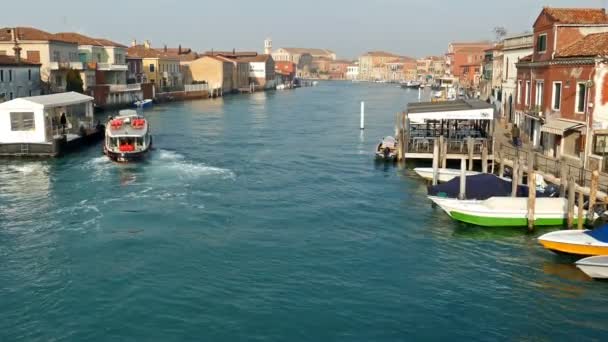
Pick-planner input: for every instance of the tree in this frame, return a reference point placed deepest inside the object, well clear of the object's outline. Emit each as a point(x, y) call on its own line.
point(500, 32)
point(73, 81)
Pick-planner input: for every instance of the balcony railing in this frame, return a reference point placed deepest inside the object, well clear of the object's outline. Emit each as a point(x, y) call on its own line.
point(111, 67)
point(66, 65)
point(125, 87)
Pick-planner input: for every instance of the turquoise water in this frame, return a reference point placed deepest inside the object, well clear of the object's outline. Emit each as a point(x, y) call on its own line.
point(264, 217)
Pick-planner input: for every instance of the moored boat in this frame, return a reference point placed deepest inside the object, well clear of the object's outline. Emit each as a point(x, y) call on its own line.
point(595, 267)
point(143, 103)
point(505, 211)
point(577, 242)
point(128, 137)
point(387, 149)
point(444, 175)
point(410, 85)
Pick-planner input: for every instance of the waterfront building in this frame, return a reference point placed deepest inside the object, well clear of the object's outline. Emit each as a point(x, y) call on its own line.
point(18, 78)
point(217, 71)
point(514, 48)
point(560, 86)
point(294, 54)
point(104, 61)
point(135, 70)
point(261, 71)
point(463, 61)
point(285, 72)
point(320, 66)
point(161, 68)
point(491, 79)
point(338, 69)
point(55, 55)
point(372, 65)
point(352, 71)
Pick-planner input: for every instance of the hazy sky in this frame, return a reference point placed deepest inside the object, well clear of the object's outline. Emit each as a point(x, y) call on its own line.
point(414, 28)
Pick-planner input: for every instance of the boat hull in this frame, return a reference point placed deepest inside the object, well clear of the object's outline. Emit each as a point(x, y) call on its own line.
point(444, 175)
point(595, 267)
point(128, 157)
point(504, 211)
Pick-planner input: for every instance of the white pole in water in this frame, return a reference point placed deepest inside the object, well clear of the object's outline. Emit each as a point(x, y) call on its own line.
point(362, 115)
point(419, 94)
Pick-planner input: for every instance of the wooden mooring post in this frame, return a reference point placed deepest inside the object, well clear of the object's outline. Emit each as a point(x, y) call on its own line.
point(470, 149)
point(435, 161)
point(484, 158)
point(514, 181)
point(444, 153)
point(563, 179)
point(571, 195)
point(531, 198)
point(580, 214)
point(462, 194)
point(595, 179)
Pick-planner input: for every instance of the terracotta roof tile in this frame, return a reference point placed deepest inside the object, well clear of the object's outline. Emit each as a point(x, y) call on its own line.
point(11, 60)
point(591, 45)
point(29, 33)
point(143, 52)
point(577, 15)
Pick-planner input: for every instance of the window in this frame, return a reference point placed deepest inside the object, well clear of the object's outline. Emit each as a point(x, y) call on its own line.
point(58, 80)
point(22, 121)
point(10, 75)
point(528, 91)
point(30, 92)
point(557, 95)
point(581, 92)
point(56, 56)
point(600, 145)
point(541, 43)
point(538, 99)
point(1, 75)
point(29, 74)
point(11, 95)
point(151, 67)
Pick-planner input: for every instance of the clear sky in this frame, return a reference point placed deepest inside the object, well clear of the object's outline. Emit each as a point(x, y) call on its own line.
point(408, 27)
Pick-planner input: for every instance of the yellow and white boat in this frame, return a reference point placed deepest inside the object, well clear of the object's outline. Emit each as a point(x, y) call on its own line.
point(577, 242)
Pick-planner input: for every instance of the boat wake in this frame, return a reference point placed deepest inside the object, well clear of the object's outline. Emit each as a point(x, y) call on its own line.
point(177, 163)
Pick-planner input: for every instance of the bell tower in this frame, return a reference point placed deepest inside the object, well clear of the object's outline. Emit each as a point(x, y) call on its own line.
point(268, 46)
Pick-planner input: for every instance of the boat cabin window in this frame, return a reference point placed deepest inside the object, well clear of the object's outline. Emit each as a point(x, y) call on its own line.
point(22, 121)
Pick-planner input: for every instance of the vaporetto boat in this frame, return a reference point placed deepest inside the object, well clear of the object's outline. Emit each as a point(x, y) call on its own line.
point(506, 211)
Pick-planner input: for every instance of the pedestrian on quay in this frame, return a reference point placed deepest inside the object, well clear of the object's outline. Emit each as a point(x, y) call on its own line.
point(515, 135)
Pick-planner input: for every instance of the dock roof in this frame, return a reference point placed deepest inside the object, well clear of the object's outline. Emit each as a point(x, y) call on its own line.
point(450, 110)
point(44, 101)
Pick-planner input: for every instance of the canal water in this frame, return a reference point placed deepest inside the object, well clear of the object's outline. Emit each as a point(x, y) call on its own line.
point(265, 217)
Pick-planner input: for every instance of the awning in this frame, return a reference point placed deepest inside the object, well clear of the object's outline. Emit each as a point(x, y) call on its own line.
point(475, 114)
point(558, 127)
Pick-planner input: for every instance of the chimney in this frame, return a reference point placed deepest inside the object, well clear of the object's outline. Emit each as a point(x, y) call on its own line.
point(134, 42)
point(165, 48)
point(16, 48)
point(147, 44)
point(179, 49)
point(234, 52)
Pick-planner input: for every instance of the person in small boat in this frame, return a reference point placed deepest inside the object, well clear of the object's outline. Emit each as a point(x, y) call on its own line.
point(387, 152)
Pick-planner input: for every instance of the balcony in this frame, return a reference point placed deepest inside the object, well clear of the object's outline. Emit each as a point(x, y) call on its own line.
point(111, 67)
point(66, 65)
point(114, 88)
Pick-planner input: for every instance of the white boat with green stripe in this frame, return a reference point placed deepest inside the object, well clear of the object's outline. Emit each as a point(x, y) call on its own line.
point(506, 211)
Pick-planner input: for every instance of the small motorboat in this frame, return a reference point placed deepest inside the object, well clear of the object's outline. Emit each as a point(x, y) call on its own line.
point(595, 267)
point(387, 149)
point(444, 175)
point(577, 242)
point(505, 211)
point(143, 103)
point(128, 137)
point(410, 85)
